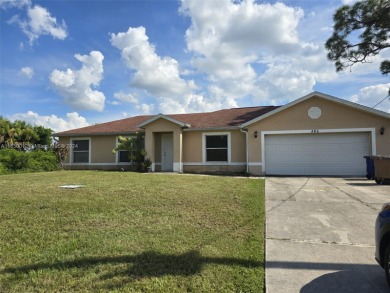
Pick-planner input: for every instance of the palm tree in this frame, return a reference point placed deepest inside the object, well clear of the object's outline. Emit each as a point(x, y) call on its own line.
point(4, 127)
point(28, 136)
point(13, 135)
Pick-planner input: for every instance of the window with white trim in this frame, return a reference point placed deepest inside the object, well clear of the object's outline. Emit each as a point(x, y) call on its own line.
point(124, 155)
point(80, 150)
point(217, 148)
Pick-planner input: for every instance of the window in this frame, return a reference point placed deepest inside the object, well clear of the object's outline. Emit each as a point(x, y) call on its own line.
point(216, 147)
point(123, 156)
point(80, 151)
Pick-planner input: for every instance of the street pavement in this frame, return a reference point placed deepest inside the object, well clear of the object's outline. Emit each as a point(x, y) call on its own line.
point(320, 235)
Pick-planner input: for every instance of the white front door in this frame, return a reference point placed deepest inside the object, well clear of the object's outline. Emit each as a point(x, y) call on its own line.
point(167, 152)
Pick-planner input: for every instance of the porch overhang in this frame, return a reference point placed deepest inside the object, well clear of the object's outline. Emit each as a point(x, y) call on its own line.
point(162, 116)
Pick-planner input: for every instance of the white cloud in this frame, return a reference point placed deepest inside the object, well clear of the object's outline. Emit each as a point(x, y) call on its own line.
point(253, 49)
point(128, 98)
point(125, 98)
point(72, 120)
point(284, 82)
point(27, 72)
point(371, 66)
point(39, 22)
point(371, 95)
point(241, 25)
point(230, 41)
point(14, 3)
point(75, 86)
point(349, 2)
point(159, 76)
point(145, 108)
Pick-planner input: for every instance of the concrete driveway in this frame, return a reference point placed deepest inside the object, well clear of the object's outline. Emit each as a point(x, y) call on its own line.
point(320, 235)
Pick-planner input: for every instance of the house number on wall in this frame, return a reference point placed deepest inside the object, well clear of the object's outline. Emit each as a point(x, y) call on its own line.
point(315, 131)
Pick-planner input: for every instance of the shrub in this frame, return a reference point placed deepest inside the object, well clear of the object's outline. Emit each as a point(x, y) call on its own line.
point(12, 159)
point(18, 161)
point(3, 170)
point(42, 161)
point(60, 151)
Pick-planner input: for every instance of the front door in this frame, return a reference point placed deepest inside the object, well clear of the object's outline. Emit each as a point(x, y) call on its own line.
point(167, 152)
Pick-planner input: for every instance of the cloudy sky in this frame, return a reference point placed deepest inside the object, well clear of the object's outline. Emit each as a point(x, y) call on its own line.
point(67, 64)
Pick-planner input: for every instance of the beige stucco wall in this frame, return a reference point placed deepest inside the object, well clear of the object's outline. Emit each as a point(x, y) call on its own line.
point(193, 146)
point(193, 153)
point(238, 146)
point(101, 149)
point(333, 116)
point(152, 142)
point(188, 147)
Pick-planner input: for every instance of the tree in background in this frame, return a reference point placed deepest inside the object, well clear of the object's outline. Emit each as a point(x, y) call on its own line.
point(27, 148)
point(44, 135)
point(360, 31)
point(25, 136)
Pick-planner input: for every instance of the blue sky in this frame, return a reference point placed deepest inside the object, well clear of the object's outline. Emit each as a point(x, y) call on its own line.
point(66, 64)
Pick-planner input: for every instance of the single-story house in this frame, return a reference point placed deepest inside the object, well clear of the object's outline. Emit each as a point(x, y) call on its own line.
point(316, 134)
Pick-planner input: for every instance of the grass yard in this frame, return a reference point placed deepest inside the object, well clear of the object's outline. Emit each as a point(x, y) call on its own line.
point(131, 232)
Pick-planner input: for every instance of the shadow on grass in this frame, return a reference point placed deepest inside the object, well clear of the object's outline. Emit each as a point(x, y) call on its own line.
point(147, 264)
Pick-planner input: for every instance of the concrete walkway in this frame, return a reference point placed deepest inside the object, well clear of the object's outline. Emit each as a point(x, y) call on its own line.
point(320, 235)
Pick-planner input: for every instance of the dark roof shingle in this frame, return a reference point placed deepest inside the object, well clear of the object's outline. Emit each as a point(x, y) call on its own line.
point(218, 119)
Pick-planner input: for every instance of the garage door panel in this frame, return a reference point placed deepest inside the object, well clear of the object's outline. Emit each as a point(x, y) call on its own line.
point(316, 154)
point(327, 170)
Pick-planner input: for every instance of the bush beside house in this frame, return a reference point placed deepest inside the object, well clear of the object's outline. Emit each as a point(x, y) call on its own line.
point(12, 160)
point(27, 148)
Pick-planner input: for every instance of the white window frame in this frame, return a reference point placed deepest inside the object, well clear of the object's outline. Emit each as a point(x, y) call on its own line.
point(204, 150)
point(118, 158)
point(74, 141)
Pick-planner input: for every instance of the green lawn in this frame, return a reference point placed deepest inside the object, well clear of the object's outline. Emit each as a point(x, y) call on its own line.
point(131, 232)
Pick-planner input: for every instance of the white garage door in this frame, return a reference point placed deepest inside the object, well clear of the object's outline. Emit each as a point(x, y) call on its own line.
point(316, 154)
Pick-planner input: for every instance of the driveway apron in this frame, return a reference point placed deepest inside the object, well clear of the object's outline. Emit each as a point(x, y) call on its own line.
point(320, 235)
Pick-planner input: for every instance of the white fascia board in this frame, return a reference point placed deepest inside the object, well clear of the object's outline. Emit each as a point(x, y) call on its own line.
point(212, 129)
point(158, 116)
point(77, 135)
point(320, 95)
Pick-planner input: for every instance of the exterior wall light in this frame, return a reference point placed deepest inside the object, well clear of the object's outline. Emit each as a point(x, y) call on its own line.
point(382, 130)
point(255, 133)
